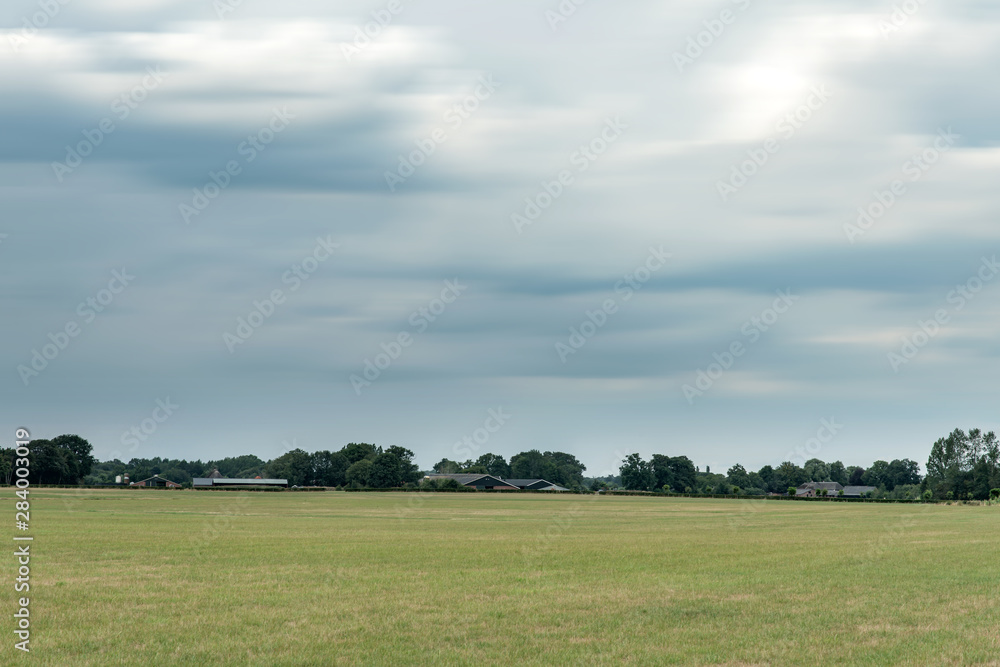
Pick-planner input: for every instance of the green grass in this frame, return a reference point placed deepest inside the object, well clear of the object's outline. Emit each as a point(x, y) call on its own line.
point(235, 578)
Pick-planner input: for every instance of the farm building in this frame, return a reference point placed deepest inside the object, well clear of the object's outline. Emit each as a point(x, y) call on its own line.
point(156, 482)
point(485, 482)
point(535, 485)
point(217, 482)
point(816, 489)
point(811, 489)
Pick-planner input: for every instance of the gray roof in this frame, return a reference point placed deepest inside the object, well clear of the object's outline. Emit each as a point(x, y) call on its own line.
point(829, 486)
point(467, 479)
point(858, 490)
point(538, 484)
point(228, 481)
point(157, 477)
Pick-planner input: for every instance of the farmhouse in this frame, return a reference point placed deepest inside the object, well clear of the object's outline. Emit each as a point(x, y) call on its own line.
point(484, 482)
point(535, 485)
point(812, 489)
point(156, 482)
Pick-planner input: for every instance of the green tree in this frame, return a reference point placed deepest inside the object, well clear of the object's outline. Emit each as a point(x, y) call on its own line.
point(385, 471)
point(6, 464)
point(662, 471)
point(359, 473)
point(816, 471)
point(683, 473)
point(767, 477)
point(446, 467)
point(568, 470)
point(737, 476)
point(637, 475)
point(533, 464)
point(838, 473)
point(495, 465)
point(788, 474)
point(49, 464)
point(902, 472)
point(878, 475)
point(329, 468)
point(295, 466)
point(356, 451)
point(247, 465)
point(79, 457)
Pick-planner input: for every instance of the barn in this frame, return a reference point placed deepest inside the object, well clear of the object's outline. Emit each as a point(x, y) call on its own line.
point(477, 481)
point(156, 482)
point(221, 482)
point(535, 485)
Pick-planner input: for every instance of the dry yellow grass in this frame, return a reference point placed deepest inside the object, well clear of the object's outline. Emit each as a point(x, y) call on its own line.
point(361, 579)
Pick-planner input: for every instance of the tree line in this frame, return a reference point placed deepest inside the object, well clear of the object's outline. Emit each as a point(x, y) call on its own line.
point(679, 475)
point(557, 467)
point(960, 466)
point(66, 459)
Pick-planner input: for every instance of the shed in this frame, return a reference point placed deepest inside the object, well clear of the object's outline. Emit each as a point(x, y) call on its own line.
point(219, 482)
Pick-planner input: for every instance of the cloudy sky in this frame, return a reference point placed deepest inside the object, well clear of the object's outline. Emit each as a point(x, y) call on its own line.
point(307, 223)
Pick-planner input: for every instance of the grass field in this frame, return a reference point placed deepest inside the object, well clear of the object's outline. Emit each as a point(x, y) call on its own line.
point(232, 578)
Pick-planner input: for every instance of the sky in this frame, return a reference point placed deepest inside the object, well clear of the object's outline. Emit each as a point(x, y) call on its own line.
point(740, 231)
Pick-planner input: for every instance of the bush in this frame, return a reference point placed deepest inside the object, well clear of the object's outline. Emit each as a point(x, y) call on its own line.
point(928, 495)
point(994, 494)
point(791, 490)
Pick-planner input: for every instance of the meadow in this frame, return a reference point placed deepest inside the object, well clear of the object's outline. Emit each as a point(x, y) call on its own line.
point(237, 578)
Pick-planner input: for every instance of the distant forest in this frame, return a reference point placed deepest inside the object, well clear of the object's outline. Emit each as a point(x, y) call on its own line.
point(960, 466)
